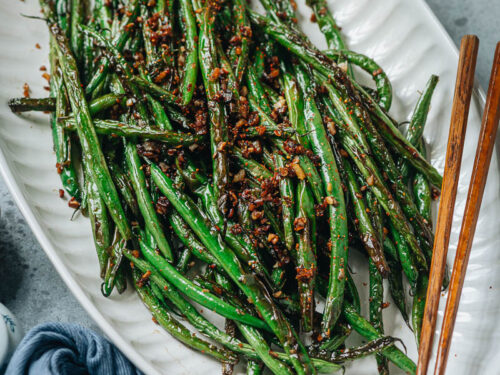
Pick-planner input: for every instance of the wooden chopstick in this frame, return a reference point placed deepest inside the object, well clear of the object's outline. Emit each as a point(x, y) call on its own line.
point(458, 124)
point(482, 161)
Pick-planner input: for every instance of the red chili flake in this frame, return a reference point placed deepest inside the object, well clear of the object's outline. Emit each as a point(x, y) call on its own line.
point(129, 26)
point(38, 46)
point(26, 90)
point(304, 274)
point(46, 76)
point(274, 73)
point(135, 253)
point(313, 18)
point(144, 279)
point(299, 224)
point(73, 203)
point(61, 193)
point(43, 68)
point(272, 238)
point(385, 305)
point(215, 74)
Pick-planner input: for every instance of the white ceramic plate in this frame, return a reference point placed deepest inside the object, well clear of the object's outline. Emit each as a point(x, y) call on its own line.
point(409, 43)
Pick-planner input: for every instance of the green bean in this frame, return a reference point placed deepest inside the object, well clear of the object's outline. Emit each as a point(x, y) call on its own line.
point(192, 175)
point(155, 289)
point(287, 203)
point(264, 351)
point(103, 16)
point(401, 145)
point(254, 367)
point(265, 119)
point(18, 105)
point(62, 15)
point(119, 41)
point(259, 171)
point(405, 256)
point(114, 271)
point(243, 32)
point(88, 137)
point(374, 180)
point(327, 24)
point(422, 194)
point(307, 167)
point(152, 56)
point(367, 233)
point(395, 278)
point(352, 292)
point(371, 347)
point(124, 69)
point(253, 289)
point(376, 295)
point(417, 123)
point(230, 328)
point(325, 66)
point(159, 114)
point(338, 338)
point(295, 103)
point(272, 96)
point(336, 207)
point(256, 91)
point(191, 290)
point(191, 314)
point(382, 83)
point(329, 28)
point(99, 221)
point(383, 156)
point(417, 311)
point(144, 200)
point(177, 330)
point(76, 19)
point(278, 278)
point(232, 83)
point(188, 239)
point(61, 140)
point(305, 225)
point(101, 103)
point(243, 250)
point(124, 186)
point(362, 326)
point(128, 130)
point(191, 64)
point(218, 129)
point(96, 106)
point(254, 337)
point(156, 91)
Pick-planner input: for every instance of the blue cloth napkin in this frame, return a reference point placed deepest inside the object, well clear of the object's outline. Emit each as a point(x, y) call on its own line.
point(67, 349)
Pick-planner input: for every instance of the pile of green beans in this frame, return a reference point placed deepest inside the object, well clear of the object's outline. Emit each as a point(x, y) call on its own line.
point(229, 162)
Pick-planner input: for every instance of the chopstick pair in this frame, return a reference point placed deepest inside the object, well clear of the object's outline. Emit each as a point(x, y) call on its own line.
point(486, 142)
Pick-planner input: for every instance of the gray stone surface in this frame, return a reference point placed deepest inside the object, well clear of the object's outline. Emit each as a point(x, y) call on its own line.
point(479, 17)
point(31, 287)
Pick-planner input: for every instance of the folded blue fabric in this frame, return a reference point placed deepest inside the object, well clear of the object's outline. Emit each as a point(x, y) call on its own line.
point(67, 349)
